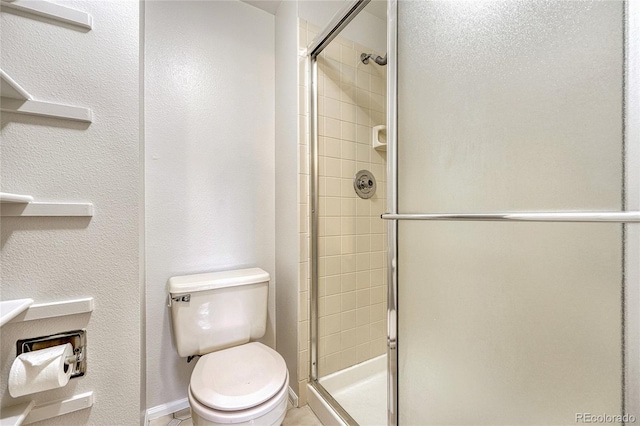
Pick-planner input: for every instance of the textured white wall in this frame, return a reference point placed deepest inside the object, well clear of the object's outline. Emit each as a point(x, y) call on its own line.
point(287, 253)
point(52, 259)
point(210, 180)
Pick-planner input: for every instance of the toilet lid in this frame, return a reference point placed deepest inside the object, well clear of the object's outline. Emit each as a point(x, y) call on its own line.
point(238, 378)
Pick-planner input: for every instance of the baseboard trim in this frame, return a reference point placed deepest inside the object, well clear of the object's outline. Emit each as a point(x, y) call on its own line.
point(293, 398)
point(164, 409)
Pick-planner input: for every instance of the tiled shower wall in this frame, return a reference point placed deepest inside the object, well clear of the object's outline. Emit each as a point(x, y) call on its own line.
point(352, 237)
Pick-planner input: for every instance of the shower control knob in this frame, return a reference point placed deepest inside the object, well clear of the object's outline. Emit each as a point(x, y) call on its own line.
point(365, 184)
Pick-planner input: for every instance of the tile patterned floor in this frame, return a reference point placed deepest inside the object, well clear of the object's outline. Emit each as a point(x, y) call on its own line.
point(302, 416)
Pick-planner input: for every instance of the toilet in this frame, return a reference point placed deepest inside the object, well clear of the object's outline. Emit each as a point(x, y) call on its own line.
point(236, 380)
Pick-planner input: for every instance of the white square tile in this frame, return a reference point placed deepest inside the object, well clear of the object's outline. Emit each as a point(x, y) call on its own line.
point(363, 352)
point(363, 100)
point(332, 51)
point(349, 169)
point(347, 189)
point(348, 301)
point(377, 296)
point(347, 263)
point(363, 279)
point(333, 165)
point(348, 207)
point(349, 357)
point(348, 74)
point(348, 56)
point(333, 246)
point(348, 244)
point(377, 259)
point(333, 343)
point(332, 324)
point(378, 310)
point(348, 320)
point(333, 285)
point(348, 131)
point(363, 334)
point(363, 298)
point(377, 242)
point(332, 108)
point(363, 225)
point(363, 243)
point(332, 265)
point(349, 148)
point(363, 134)
point(348, 93)
point(363, 207)
point(347, 112)
point(348, 283)
point(332, 128)
point(333, 307)
point(348, 225)
point(362, 316)
point(363, 261)
point(378, 85)
point(333, 187)
point(348, 339)
point(363, 79)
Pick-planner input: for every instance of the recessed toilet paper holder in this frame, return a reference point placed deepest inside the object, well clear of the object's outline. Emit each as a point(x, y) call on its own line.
point(78, 340)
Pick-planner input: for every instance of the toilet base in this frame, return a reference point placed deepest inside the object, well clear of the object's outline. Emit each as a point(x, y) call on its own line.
point(199, 421)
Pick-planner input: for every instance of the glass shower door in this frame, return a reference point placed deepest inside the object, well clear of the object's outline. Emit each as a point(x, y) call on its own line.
point(510, 106)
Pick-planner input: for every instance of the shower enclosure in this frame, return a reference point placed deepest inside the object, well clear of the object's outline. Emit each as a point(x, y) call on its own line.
point(512, 213)
point(349, 306)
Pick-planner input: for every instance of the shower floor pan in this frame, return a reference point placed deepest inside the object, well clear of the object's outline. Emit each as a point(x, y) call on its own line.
point(361, 390)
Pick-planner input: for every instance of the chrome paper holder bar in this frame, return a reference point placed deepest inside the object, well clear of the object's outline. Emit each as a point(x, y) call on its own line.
point(611, 217)
point(78, 340)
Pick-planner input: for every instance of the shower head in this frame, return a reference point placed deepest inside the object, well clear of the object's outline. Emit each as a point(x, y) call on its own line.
point(378, 59)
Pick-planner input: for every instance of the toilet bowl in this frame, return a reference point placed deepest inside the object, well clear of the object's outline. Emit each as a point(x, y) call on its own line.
point(242, 385)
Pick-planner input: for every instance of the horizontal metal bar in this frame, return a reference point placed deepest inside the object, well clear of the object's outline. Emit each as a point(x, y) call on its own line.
point(615, 217)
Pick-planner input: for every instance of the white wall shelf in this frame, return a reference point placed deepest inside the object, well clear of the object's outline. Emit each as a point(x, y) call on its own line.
point(17, 100)
point(6, 197)
point(52, 11)
point(14, 205)
point(55, 309)
point(16, 414)
point(58, 408)
point(9, 309)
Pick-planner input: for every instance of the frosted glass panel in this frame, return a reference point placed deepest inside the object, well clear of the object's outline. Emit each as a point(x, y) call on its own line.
point(508, 323)
point(513, 105)
point(509, 106)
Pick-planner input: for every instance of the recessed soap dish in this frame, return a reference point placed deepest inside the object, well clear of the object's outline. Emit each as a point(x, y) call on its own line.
point(379, 137)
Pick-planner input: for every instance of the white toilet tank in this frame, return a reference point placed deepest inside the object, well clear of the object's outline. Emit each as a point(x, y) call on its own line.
point(218, 310)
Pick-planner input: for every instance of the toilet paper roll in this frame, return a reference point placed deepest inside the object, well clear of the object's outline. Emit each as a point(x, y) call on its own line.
point(39, 371)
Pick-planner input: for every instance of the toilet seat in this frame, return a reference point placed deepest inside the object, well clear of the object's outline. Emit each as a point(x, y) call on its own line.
point(271, 412)
point(239, 384)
